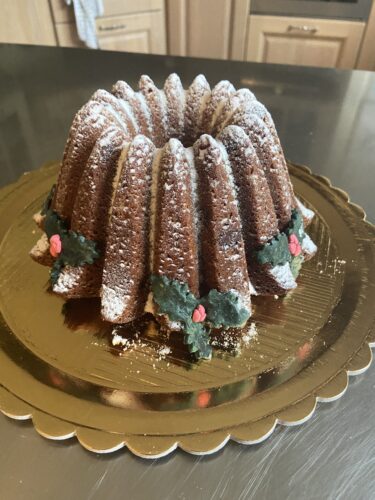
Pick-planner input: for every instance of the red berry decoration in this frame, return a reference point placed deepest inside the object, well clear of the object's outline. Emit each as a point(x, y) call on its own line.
point(204, 399)
point(55, 245)
point(199, 314)
point(294, 245)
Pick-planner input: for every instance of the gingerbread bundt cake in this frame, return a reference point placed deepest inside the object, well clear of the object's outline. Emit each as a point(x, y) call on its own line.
point(176, 202)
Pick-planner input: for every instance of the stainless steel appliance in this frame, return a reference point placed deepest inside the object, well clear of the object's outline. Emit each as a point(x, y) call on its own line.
point(335, 9)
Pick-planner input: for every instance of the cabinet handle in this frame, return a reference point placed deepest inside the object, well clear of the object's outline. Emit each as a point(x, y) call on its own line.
point(112, 27)
point(302, 28)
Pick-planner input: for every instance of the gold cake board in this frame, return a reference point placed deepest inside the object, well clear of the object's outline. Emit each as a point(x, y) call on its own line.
point(59, 368)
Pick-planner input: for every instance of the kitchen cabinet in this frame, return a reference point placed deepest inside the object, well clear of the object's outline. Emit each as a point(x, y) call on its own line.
point(303, 41)
point(221, 29)
point(199, 28)
point(366, 59)
point(67, 35)
point(65, 26)
point(116, 7)
point(128, 26)
point(144, 32)
point(26, 22)
point(240, 14)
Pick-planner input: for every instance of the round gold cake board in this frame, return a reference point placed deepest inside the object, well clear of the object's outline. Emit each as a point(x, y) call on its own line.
point(58, 366)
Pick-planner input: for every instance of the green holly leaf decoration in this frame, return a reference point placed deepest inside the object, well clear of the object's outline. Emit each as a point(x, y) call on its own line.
point(53, 224)
point(225, 309)
point(296, 226)
point(77, 250)
point(47, 203)
point(176, 301)
point(197, 340)
point(55, 271)
point(276, 252)
point(295, 265)
point(173, 298)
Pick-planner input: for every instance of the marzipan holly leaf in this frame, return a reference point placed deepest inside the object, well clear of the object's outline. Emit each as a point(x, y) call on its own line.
point(47, 203)
point(295, 265)
point(276, 252)
point(53, 224)
point(197, 340)
point(225, 309)
point(55, 271)
point(77, 250)
point(173, 298)
point(296, 226)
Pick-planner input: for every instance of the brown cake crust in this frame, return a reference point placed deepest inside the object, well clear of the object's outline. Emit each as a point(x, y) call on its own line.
point(91, 213)
point(137, 104)
point(87, 126)
point(219, 96)
point(175, 96)
point(259, 222)
point(118, 106)
point(193, 214)
point(157, 106)
point(175, 233)
point(257, 108)
point(126, 268)
point(270, 159)
point(224, 265)
point(196, 97)
point(236, 101)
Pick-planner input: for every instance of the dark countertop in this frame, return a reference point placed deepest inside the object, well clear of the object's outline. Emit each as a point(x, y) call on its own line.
point(326, 120)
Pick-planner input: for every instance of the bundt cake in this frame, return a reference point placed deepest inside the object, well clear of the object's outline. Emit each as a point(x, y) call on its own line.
point(175, 202)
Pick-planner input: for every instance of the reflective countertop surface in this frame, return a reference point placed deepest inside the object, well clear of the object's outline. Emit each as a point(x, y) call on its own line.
point(326, 120)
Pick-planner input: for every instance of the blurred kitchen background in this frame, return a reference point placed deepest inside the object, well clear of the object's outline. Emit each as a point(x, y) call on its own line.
point(325, 33)
point(324, 117)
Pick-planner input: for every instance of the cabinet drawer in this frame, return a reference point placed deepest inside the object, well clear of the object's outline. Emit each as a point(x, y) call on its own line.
point(118, 7)
point(63, 13)
point(303, 41)
point(133, 33)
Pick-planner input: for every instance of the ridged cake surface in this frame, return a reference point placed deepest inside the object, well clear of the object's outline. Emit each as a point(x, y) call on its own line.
point(189, 185)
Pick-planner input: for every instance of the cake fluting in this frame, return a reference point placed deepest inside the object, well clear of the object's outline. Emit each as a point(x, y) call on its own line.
point(176, 202)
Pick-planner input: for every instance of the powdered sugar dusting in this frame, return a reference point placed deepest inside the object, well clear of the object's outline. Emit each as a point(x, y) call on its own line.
point(175, 114)
point(308, 246)
point(112, 302)
point(41, 247)
point(154, 187)
point(306, 212)
point(67, 280)
point(249, 334)
point(236, 102)
point(175, 97)
point(219, 97)
point(284, 276)
point(198, 93)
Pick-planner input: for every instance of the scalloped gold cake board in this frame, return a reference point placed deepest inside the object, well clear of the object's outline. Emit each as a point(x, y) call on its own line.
point(59, 368)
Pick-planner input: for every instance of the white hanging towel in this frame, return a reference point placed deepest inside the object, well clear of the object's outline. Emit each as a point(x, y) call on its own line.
point(85, 12)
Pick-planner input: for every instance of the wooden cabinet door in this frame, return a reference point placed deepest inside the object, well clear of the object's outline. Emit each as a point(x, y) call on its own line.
point(133, 33)
point(67, 35)
point(26, 22)
point(304, 41)
point(366, 59)
point(199, 28)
